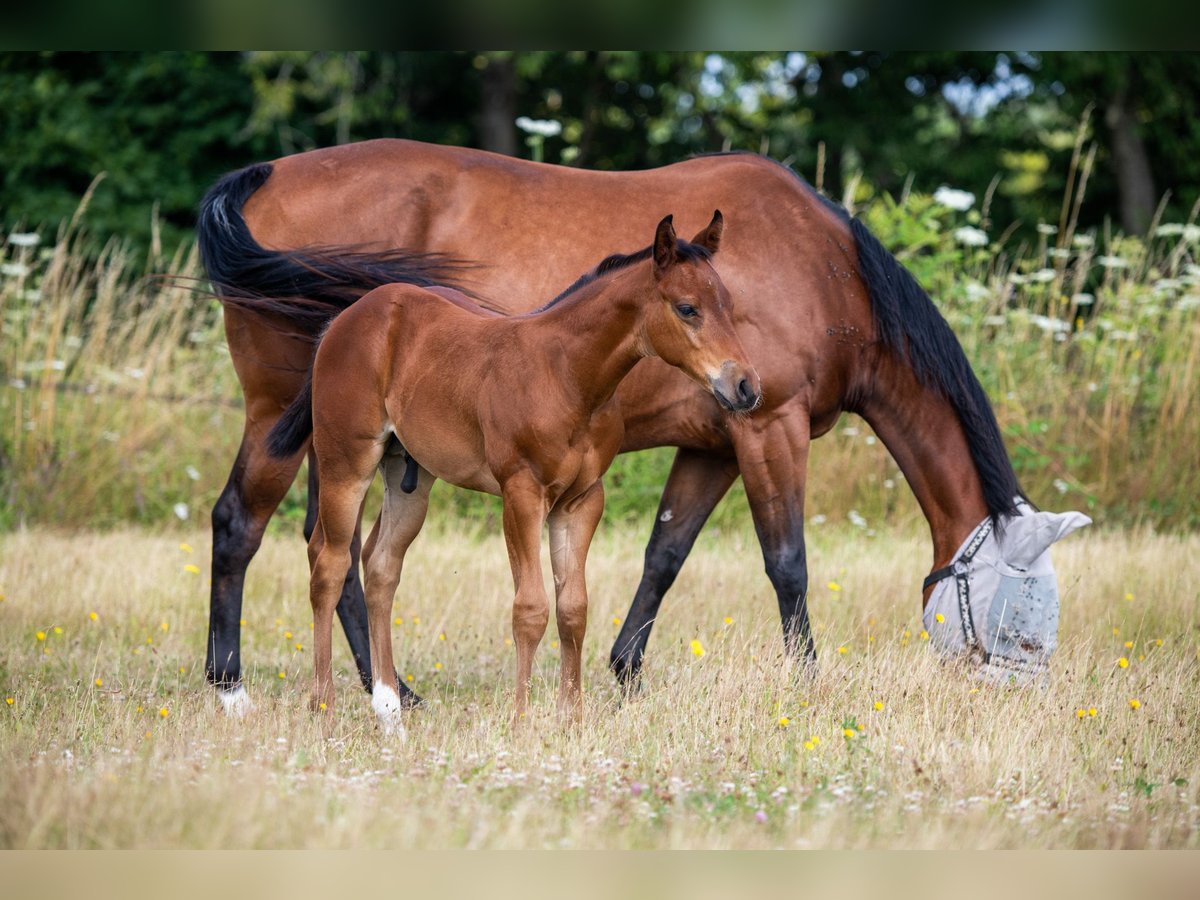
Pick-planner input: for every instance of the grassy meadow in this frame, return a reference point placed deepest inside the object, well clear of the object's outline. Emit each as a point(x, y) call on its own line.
point(110, 737)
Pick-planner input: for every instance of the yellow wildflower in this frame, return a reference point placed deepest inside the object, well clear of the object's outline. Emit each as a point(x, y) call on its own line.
point(815, 739)
point(554, 645)
point(10, 700)
point(849, 733)
point(397, 621)
point(416, 620)
point(834, 586)
point(164, 712)
point(1135, 703)
point(322, 706)
point(1116, 631)
point(729, 620)
point(283, 674)
point(940, 618)
point(437, 666)
point(697, 648)
point(1123, 663)
point(242, 622)
point(408, 678)
point(93, 615)
point(183, 670)
point(1158, 642)
point(1129, 596)
point(843, 649)
point(193, 568)
point(616, 620)
point(878, 705)
point(279, 621)
point(1080, 713)
point(41, 635)
point(1129, 645)
point(165, 626)
point(809, 745)
point(57, 630)
point(299, 646)
point(287, 635)
point(924, 635)
point(186, 547)
point(783, 721)
point(1092, 711)
point(442, 636)
point(99, 682)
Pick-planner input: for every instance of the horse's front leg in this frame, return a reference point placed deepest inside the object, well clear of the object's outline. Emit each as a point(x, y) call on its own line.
point(571, 530)
point(772, 453)
point(525, 511)
point(696, 484)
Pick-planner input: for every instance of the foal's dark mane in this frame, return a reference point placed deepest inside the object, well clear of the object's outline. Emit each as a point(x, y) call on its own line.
point(618, 261)
point(908, 325)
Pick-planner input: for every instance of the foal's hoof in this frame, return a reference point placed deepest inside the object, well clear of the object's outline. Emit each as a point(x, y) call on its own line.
point(235, 701)
point(389, 710)
point(629, 674)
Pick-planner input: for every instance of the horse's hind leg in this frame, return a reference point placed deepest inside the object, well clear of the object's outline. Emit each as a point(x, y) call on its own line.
point(524, 514)
point(399, 522)
point(571, 531)
point(352, 607)
point(256, 485)
point(347, 475)
point(696, 484)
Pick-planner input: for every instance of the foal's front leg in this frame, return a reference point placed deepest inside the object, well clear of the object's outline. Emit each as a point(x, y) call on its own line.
point(524, 514)
point(571, 530)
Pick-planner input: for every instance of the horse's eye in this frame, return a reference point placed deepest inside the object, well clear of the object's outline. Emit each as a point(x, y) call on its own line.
point(687, 311)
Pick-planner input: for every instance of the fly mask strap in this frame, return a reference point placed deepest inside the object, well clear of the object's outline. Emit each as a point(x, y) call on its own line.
point(960, 569)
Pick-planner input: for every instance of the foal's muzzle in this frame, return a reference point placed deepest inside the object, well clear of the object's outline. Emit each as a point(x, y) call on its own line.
point(736, 388)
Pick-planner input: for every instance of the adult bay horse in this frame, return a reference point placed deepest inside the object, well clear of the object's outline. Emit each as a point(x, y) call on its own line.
point(422, 386)
point(833, 322)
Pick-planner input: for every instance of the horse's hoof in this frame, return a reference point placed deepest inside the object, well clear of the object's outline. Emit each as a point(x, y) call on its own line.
point(389, 710)
point(409, 698)
point(235, 701)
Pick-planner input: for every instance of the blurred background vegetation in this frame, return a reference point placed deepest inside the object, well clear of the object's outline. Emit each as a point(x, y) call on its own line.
point(1070, 276)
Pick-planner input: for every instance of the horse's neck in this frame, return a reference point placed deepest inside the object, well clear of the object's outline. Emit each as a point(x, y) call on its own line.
point(922, 431)
point(593, 337)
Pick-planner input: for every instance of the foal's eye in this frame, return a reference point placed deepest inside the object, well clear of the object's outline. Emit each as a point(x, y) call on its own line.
point(687, 311)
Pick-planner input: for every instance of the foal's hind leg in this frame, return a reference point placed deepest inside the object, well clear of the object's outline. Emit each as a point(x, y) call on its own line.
point(347, 474)
point(571, 530)
point(399, 522)
point(352, 607)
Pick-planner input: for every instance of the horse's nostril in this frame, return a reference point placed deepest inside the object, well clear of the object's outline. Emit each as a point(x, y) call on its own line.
point(744, 391)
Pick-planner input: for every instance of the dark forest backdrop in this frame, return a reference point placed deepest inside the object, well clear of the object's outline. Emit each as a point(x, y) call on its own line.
point(164, 125)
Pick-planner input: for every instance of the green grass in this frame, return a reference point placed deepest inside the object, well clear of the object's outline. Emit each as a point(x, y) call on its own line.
point(692, 762)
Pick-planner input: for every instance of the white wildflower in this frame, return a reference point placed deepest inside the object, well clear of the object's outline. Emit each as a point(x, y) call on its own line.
point(192, 473)
point(14, 270)
point(1043, 228)
point(995, 321)
point(1113, 262)
point(856, 519)
point(1084, 241)
point(1049, 325)
point(977, 292)
point(182, 512)
point(541, 127)
point(134, 373)
point(1169, 229)
point(1041, 276)
point(1058, 253)
point(1084, 299)
point(24, 238)
point(952, 198)
point(971, 237)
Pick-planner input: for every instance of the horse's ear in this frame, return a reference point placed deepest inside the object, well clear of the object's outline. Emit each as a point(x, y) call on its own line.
point(664, 246)
point(710, 237)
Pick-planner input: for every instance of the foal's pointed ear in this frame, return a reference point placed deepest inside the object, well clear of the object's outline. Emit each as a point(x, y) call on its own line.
point(665, 251)
point(710, 237)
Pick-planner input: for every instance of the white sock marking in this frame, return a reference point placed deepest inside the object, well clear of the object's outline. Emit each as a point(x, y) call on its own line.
point(388, 709)
point(236, 702)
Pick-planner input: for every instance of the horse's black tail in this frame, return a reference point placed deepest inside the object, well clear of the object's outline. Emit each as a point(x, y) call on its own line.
point(911, 327)
point(295, 426)
point(307, 287)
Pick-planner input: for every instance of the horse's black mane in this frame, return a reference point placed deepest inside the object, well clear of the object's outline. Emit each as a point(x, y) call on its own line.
point(909, 326)
point(618, 261)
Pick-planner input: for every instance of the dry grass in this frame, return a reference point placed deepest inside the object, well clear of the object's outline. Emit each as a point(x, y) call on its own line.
point(700, 759)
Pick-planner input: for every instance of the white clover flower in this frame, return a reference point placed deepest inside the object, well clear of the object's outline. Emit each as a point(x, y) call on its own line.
point(24, 239)
point(541, 127)
point(952, 198)
point(971, 237)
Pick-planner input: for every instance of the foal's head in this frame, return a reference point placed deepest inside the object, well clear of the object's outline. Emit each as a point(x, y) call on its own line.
point(690, 322)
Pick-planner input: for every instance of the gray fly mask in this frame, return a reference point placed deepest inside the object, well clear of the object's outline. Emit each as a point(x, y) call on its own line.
point(997, 601)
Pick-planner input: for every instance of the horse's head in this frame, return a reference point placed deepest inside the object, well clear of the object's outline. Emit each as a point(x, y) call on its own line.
point(997, 601)
point(690, 322)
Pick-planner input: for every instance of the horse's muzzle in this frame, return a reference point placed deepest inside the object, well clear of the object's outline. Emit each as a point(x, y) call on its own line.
point(737, 389)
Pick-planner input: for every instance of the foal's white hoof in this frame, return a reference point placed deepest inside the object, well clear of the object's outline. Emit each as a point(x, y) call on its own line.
point(388, 710)
point(236, 702)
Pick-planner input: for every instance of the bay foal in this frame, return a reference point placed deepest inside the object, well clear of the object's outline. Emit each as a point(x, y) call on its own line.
point(420, 385)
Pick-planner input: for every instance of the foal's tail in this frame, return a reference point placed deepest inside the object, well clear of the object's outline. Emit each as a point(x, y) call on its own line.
point(295, 426)
point(307, 287)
